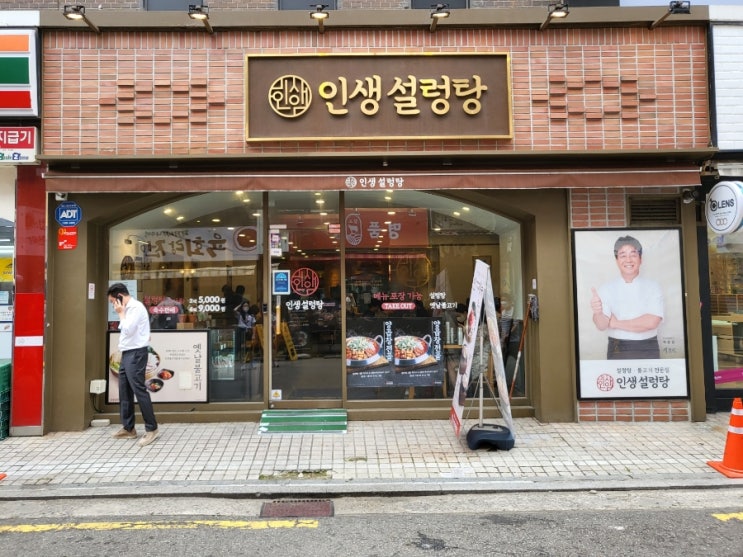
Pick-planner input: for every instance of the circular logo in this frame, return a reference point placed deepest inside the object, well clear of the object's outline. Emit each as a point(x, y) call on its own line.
point(246, 238)
point(305, 281)
point(290, 96)
point(724, 209)
point(605, 382)
point(351, 182)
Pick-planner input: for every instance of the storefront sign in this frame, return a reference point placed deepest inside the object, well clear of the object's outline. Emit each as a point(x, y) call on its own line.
point(724, 208)
point(67, 237)
point(18, 70)
point(176, 368)
point(17, 145)
point(379, 96)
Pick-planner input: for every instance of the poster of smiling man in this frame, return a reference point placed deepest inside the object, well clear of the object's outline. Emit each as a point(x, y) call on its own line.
point(629, 313)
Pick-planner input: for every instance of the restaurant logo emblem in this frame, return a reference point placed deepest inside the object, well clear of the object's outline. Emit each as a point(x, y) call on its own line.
point(290, 96)
point(353, 229)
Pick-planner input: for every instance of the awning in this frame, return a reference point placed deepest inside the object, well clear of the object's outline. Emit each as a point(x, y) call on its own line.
point(628, 177)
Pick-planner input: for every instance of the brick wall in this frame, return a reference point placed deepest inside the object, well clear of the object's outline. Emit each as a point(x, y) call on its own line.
point(153, 93)
point(215, 5)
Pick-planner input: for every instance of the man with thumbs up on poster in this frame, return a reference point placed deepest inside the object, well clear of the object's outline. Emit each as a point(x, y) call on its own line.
point(630, 307)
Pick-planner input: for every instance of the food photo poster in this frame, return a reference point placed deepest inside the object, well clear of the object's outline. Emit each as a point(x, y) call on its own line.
point(176, 366)
point(394, 352)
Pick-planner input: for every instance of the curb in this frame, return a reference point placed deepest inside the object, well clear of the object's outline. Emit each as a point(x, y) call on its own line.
point(366, 488)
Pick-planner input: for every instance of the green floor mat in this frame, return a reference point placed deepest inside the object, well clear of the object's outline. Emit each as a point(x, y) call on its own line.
point(303, 421)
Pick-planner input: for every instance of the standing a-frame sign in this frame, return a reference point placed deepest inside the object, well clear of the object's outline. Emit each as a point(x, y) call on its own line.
point(481, 296)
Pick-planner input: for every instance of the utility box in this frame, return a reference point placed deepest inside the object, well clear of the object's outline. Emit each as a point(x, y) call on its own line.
point(97, 386)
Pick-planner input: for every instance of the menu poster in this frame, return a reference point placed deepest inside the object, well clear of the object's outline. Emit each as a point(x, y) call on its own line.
point(176, 367)
point(394, 352)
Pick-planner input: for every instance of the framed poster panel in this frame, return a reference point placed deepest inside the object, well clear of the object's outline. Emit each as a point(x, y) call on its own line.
point(628, 292)
point(176, 368)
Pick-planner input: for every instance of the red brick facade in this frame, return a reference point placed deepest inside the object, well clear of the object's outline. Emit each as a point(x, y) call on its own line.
point(150, 93)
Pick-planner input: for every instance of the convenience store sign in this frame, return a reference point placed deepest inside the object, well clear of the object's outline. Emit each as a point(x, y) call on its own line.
point(18, 71)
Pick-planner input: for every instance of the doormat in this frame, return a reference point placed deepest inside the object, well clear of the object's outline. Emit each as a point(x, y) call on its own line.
point(306, 508)
point(334, 420)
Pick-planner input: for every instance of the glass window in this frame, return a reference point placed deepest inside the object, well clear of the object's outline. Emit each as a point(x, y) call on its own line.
point(7, 254)
point(726, 304)
point(170, 5)
point(195, 263)
point(307, 316)
point(304, 5)
point(409, 263)
point(428, 5)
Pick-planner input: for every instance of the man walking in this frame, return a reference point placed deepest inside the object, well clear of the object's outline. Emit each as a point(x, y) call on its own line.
point(134, 340)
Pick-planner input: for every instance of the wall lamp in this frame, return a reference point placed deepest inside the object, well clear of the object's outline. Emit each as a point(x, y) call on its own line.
point(674, 7)
point(200, 13)
point(555, 10)
point(76, 12)
point(438, 11)
point(320, 15)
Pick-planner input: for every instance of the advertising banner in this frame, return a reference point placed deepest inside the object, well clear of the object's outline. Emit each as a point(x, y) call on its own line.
point(629, 314)
point(197, 245)
point(481, 297)
point(394, 352)
point(17, 145)
point(176, 368)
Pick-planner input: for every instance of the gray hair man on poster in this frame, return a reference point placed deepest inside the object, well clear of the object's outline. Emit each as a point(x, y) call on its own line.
point(630, 307)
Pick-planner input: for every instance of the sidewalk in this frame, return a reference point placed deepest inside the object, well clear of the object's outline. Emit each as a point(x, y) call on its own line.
point(372, 458)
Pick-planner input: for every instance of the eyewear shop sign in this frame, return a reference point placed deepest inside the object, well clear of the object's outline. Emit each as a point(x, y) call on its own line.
point(330, 96)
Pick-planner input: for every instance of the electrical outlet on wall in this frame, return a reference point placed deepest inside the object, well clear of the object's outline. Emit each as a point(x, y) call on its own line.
point(97, 386)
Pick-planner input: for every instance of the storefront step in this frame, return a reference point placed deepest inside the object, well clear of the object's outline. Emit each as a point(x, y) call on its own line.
point(304, 421)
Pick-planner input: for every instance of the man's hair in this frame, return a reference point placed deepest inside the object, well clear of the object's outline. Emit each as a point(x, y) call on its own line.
point(627, 241)
point(118, 288)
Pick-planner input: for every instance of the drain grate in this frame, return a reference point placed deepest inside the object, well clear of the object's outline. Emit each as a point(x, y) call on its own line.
point(305, 508)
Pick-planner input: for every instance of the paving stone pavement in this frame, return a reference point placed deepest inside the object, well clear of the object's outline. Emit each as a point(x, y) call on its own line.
point(373, 457)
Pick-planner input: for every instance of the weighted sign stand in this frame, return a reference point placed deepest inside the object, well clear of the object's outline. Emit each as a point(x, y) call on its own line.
point(481, 297)
point(494, 435)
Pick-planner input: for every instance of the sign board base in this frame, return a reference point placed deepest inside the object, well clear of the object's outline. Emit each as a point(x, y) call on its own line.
point(492, 435)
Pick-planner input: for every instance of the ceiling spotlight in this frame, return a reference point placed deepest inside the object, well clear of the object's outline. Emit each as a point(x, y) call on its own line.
point(674, 7)
point(76, 12)
point(438, 11)
point(320, 15)
point(555, 10)
point(200, 13)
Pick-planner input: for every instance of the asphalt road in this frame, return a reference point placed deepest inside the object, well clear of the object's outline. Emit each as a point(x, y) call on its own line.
point(653, 523)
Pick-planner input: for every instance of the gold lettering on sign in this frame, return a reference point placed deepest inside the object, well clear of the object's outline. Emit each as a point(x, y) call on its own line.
point(290, 96)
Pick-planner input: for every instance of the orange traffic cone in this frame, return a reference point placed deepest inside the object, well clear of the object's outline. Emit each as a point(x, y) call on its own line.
point(732, 459)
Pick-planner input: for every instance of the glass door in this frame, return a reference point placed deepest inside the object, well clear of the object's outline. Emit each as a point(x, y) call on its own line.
point(307, 343)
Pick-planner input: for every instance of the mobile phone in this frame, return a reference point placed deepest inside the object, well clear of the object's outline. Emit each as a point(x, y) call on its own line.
point(120, 298)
